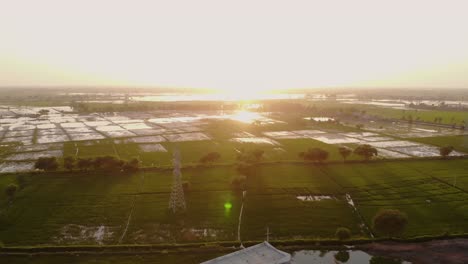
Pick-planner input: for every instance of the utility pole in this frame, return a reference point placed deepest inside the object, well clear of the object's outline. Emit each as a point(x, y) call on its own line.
point(177, 200)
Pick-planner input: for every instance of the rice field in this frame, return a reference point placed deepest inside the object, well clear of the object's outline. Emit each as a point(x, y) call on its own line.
point(94, 208)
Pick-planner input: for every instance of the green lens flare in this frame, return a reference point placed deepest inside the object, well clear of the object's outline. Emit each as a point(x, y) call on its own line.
point(227, 206)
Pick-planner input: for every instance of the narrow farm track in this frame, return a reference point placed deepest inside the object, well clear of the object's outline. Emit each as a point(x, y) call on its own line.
point(140, 184)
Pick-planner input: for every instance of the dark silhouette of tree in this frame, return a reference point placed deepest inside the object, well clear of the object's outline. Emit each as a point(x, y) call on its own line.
point(344, 152)
point(252, 156)
point(314, 154)
point(210, 158)
point(390, 222)
point(84, 164)
point(46, 164)
point(343, 233)
point(366, 151)
point(108, 163)
point(342, 256)
point(131, 166)
point(69, 163)
point(445, 151)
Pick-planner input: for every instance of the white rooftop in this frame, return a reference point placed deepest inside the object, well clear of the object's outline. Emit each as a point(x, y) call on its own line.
point(262, 253)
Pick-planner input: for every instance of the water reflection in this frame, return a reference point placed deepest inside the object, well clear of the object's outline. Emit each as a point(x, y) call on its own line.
point(344, 256)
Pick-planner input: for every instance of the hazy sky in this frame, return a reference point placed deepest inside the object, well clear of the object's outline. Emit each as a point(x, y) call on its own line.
point(234, 45)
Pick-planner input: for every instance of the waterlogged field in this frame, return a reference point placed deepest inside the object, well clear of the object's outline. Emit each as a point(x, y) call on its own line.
point(87, 208)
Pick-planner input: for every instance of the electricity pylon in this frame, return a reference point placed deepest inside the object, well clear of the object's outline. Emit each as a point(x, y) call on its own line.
point(177, 200)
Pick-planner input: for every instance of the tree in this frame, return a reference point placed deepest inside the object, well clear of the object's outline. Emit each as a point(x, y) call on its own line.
point(108, 163)
point(344, 152)
point(390, 222)
point(366, 151)
point(84, 164)
point(250, 157)
point(69, 163)
point(131, 166)
point(343, 233)
point(445, 151)
point(314, 154)
point(47, 164)
point(342, 256)
point(10, 190)
point(210, 157)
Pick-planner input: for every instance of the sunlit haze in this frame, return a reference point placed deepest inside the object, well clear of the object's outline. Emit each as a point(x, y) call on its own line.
point(234, 46)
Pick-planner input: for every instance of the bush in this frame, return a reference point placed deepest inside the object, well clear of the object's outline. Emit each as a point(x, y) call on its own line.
point(47, 164)
point(390, 222)
point(343, 233)
point(314, 154)
point(445, 151)
point(69, 163)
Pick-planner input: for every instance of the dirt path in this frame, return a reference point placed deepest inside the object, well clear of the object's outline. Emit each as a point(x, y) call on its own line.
point(140, 184)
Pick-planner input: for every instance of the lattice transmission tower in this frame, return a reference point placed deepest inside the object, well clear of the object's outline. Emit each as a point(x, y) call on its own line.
point(177, 200)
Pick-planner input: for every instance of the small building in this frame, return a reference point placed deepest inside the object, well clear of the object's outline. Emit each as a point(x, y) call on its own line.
point(262, 253)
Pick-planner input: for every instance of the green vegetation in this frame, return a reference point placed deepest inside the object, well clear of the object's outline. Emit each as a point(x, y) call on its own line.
point(343, 233)
point(46, 164)
point(366, 151)
point(390, 222)
point(71, 207)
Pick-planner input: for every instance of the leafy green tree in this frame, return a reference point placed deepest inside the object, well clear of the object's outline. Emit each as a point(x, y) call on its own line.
point(252, 156)
point(108, 163)
point(366, 151)
point(344, 152)
point(69, 163)
point(343, 233)
point(342, 256)
point(84, 164)
point(390, 222)
point(46, 164)
point(131, 166)
point(445, 151)
point(314, 154)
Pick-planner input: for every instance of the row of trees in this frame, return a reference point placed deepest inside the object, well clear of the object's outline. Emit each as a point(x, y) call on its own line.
point(104, 163)
point(319, 155)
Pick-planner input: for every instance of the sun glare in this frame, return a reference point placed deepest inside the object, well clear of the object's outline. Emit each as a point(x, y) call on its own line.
point(246, 116)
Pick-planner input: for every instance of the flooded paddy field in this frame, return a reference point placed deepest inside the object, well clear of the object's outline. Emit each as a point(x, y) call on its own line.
point(196, 133)
point(93, 208)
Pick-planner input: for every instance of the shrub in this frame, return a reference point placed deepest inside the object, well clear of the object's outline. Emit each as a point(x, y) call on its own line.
point(314, 154)
point(390, 222)
point(343, 233)
point(445, 151)
point(46, 163)
point(69, 163)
